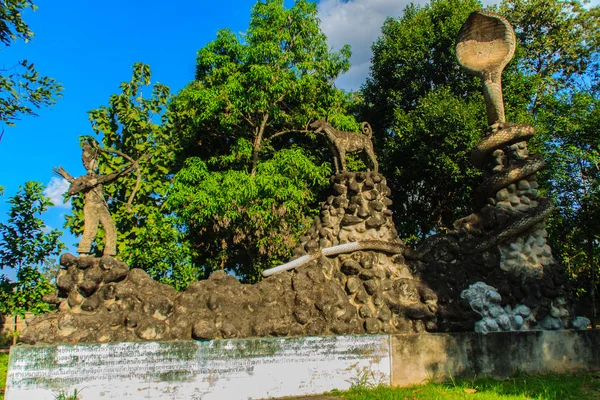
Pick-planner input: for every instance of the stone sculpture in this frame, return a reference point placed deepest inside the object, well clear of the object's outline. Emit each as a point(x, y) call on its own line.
point(350, 273)
point(342, 142)
point(485, 300)
point(95, 209)
point(504, 243)
point(365, 291)
point(486, 43)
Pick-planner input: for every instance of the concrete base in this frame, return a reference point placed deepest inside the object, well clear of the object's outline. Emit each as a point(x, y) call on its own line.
point(277, 367)
point(217, 369)
point(418, 358)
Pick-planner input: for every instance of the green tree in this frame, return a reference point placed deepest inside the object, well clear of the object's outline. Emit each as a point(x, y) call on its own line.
point(245, 119)
point(415, 79)
point(242, 222)
point(559, 54)
point(415, 55)
point(27, 246)
point(574, 182)
point(430, 114)
point(133, 128)
point(22, 88)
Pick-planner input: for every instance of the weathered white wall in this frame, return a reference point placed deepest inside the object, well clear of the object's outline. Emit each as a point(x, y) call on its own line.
point(277, 367)
point(221, 369)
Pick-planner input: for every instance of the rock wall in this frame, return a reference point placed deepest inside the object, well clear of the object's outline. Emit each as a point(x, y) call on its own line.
point(527, 253)
point(101, 300)
point(503, 244)
point(389, 288)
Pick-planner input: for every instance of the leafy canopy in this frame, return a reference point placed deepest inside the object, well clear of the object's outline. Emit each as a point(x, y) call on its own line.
point(244, 120)
point(26, 245)
point(22, 88)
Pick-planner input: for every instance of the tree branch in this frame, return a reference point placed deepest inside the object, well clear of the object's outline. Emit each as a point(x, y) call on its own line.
point(257, 141)
point(289, 131)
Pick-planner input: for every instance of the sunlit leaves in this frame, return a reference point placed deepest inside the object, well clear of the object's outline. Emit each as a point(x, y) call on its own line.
point(22, 88)
point(246, 223)
point(26, 245)
point(280, 71)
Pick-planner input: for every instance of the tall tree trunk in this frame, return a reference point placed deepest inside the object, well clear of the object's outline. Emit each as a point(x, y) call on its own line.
point(257, 143)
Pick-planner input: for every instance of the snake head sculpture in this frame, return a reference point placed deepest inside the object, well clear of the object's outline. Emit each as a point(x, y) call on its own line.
point(485, 44)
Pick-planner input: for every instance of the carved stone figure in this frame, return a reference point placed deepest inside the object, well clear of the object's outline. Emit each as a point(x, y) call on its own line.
point(95, 209)
point(350, 273)
point(341, 142)
point(486, 43)
point(503, 243)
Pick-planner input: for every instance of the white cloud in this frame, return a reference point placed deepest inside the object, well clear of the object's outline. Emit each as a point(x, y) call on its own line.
point(357, 23)
point(55, 190)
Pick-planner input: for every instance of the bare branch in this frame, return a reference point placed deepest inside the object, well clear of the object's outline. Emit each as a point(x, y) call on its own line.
point(249, 121)
point(289, 131)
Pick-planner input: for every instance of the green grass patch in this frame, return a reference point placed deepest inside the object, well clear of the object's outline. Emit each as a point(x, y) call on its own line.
point(3, 369)
point(582, 386)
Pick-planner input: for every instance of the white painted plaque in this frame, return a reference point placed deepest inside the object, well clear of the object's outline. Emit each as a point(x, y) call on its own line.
point(217, 369)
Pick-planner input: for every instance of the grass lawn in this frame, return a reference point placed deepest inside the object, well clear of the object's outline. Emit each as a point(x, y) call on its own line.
point(3, 368)
point(583, 386)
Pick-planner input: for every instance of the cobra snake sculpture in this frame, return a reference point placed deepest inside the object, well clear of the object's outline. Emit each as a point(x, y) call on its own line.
point(486, 43)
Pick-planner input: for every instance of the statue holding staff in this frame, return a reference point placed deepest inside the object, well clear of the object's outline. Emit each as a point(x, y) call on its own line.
point(95, 209)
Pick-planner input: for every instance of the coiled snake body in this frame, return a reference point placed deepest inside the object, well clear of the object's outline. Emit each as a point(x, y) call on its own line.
point(501, 136)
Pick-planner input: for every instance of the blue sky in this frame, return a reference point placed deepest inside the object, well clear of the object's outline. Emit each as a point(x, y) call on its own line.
point(90, 47)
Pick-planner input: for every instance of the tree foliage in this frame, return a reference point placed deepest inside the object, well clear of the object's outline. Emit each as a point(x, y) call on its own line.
point(22, 88)
point(26, 246)
point(414, 56)
point(246, 223)
point(245, 120)
point(432, 112)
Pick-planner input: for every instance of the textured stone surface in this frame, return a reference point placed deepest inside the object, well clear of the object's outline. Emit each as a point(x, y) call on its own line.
point(101, 300)
point(500, 246)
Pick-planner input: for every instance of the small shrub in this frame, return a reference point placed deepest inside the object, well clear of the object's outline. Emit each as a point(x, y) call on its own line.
point(8, 338)
point(365, 378)
point(64, 396)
